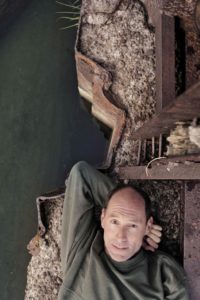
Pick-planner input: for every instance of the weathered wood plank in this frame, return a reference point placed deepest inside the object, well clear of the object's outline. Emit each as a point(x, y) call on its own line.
point(162, 172)
point(165, 52)
point(192, 238)
point(187, 159)
point(165, 60)
point(185, 107)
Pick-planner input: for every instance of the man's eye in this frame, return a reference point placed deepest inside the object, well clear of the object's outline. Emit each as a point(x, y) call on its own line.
point(133, 225)
point(113, 221)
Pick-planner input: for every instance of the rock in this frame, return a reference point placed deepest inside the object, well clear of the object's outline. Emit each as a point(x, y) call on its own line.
point(104, 6)
point(96, 19)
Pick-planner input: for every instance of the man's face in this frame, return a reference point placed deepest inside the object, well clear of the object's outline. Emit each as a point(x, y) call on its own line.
point(124, 223)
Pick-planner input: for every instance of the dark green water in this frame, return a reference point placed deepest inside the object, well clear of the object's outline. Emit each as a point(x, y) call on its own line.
point(43, 130)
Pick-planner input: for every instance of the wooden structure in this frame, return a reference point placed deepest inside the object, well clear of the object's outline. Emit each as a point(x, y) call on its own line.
point(165, 52)
point(192, 237)
point(171, 109)
point(183, 108)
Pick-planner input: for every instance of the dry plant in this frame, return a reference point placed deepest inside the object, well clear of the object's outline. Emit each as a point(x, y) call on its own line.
point(70, 13)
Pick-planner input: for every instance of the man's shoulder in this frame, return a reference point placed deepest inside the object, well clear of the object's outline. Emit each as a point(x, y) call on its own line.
point(160, 255)
point(164, 259)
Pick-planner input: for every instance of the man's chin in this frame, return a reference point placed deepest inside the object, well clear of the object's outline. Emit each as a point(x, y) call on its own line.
point(119, 257)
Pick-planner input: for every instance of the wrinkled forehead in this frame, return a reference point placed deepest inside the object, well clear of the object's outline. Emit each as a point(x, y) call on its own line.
point(127, 199)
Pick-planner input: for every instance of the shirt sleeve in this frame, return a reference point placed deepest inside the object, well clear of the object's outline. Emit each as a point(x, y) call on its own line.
point(85, 188)
point(174, 280)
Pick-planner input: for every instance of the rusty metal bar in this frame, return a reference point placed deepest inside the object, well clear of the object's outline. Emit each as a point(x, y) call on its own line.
point(34, 245)
point(40, 201)
point(160, 145)
point(183, 108)
point(153, 147)
point(93, 84)
point(192, 237)
point(139, 152)
point(145, 149)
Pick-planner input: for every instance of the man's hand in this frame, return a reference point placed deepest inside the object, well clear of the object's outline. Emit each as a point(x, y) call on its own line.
point(153, 238)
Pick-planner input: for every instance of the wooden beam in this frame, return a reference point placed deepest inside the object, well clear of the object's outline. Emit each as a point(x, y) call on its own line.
point(192, 238)
point(165, 61)
point(183, 108)
point(165, 52)
point(171, 171)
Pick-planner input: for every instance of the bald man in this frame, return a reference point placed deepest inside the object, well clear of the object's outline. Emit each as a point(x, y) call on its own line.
point(110, 263)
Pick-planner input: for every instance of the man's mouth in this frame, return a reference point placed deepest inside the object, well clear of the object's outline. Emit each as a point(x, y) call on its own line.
point(119, 247)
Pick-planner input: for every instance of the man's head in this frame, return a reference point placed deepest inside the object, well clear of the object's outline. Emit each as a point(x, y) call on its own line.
point(125, 220)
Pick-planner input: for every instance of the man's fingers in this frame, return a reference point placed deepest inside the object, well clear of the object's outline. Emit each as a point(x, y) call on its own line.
point(152, 243)
point(156, 227)
point(156, 232)
point(154, 237)
point(148, 247)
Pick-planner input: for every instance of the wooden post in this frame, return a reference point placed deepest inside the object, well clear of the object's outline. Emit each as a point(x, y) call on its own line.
point(165, 52)
point(192, 237)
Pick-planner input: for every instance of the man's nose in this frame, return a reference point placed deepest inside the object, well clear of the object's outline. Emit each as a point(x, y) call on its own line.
point(121, 234)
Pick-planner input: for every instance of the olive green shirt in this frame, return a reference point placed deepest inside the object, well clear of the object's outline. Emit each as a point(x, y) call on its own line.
point(89, 273)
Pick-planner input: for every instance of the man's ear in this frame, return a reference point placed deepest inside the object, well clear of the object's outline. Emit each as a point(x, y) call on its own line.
point(149, 225)
point(102, 217)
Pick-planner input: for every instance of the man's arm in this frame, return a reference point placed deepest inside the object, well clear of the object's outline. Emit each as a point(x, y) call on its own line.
point(86, 188)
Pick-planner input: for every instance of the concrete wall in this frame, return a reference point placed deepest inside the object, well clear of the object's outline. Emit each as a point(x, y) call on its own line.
point(43, 130)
